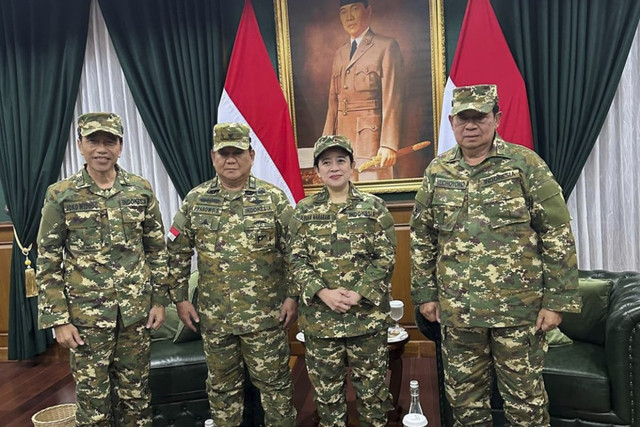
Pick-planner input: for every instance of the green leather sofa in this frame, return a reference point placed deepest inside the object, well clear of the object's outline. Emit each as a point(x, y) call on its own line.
point(178, 373)
point(177, 381)
point(595, 380)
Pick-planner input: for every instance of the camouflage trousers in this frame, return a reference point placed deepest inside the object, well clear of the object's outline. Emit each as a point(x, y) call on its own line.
point(266, 356)
point(368, 357)
point(111, 372)
point(516, 355)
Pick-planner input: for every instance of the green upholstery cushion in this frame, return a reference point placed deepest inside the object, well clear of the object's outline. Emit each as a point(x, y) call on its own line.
point(576, 378)
point(555, 338)
point(184, 334)
point(589, 325)
point(170, 326)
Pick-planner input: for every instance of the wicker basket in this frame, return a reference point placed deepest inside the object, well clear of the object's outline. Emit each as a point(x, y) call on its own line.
point(56, 416)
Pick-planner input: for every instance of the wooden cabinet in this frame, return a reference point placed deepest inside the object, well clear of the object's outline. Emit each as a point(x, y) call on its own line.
point(6, 240)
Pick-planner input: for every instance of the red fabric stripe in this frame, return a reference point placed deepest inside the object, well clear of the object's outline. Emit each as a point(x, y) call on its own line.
point(483, 56)
point(254, 88)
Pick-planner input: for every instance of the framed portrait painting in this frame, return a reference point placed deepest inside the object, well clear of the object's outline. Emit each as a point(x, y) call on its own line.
point(371, 70)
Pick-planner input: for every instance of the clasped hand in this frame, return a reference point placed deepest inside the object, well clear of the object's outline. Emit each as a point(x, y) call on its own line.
point(339, 300)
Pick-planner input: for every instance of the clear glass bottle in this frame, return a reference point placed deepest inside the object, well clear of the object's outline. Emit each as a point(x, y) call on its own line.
point(415, 407)
point(209, 423)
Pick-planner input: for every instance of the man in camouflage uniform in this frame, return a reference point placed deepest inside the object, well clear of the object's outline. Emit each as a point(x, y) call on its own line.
point(494, 261)
point(366, 92)
point(102, 271)
point(238, 225)
point(342, 254)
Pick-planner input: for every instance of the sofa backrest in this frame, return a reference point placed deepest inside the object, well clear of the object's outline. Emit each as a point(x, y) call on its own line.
point(589, 325)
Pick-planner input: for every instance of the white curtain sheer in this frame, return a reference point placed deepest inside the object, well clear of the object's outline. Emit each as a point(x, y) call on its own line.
point(104, 88)
point(605, 205)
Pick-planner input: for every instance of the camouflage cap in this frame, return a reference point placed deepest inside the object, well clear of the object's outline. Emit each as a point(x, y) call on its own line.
point(329, 141)
point(231, 135)
point(93, 122)
point(480, 98)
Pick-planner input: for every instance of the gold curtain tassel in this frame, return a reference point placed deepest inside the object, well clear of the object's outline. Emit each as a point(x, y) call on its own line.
point(30, 285)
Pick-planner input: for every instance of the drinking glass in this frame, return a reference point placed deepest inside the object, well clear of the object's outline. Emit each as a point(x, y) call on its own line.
point(397, 310)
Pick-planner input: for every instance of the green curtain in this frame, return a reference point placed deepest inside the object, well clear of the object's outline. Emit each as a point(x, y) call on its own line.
point(571, 54)
point(42, 46)
point(174, 56)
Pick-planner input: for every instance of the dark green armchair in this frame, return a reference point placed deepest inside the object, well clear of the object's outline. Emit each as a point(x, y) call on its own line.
point(595, 380)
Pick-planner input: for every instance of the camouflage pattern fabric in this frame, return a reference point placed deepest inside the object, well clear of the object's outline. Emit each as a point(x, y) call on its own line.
point(367, 356)
point(266, 354)
point(480, 98)
point(113, 361)
point(469, 356)
point(350, 246)
point(231, 135)
point(102, 262)
point(240, 238)
point(93, 122)
point(492, 243)
point(242, 254)
point(329, 141)
point(100, 252)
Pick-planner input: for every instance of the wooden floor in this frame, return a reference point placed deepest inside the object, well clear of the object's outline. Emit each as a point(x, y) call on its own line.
point(27, 387)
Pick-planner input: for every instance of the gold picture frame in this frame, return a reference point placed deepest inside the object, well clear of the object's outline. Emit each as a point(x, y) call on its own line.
point(309, 33)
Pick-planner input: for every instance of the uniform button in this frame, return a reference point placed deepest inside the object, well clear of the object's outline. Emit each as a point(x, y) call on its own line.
point(345, 87)
point(348, 71)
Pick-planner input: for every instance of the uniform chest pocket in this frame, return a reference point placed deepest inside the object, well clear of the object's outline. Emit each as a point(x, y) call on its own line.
point(260, 229)
point(85, 230)
point(447, 204)
point(361, 235)
point(505, 204)
point(133, 216)
point(205, 222)
point(367, 79)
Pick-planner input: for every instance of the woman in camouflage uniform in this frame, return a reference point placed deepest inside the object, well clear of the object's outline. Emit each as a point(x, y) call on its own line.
point(342, 252)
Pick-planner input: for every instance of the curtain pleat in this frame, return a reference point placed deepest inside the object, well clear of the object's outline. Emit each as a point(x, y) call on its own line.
point(41, 52)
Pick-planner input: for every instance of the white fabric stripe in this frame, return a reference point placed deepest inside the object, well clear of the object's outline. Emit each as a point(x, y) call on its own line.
point(446, 139)
point(263, 166)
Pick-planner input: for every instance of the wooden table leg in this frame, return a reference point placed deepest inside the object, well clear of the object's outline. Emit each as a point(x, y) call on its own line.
point(396, 350)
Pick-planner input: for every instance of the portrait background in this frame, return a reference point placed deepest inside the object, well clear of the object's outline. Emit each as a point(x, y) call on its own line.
point(315, 33)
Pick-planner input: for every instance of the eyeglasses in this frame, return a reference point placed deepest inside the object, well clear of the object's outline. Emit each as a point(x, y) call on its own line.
point(479, 119)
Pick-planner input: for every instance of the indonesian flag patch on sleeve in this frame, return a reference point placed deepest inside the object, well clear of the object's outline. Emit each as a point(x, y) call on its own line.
point(173, 233)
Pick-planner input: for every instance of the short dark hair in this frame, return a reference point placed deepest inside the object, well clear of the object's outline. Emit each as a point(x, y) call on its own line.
point(496, 108)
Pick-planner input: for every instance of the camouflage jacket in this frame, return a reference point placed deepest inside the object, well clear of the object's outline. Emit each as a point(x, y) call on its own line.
point(100, 251)
point(242, 256)
point(492, 242)
point(350, 246)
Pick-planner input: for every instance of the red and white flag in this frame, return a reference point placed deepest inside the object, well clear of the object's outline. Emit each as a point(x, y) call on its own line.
point(483, 57)
point(252, 95)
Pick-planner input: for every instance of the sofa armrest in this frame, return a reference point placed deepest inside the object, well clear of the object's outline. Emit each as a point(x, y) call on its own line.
point(622, 345)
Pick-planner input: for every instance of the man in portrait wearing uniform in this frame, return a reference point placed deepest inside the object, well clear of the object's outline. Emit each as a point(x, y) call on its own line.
point(238, 225)
point(494, 261)
point(366, 92)
point(102, 272)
